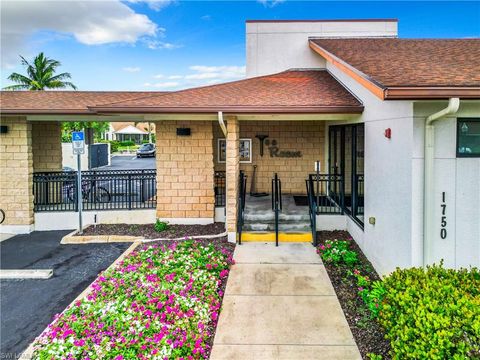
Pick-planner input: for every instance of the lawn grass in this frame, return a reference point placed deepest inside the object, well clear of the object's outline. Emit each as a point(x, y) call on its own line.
point(162, 301)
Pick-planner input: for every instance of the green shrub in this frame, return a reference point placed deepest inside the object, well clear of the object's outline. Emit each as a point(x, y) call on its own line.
point(337, 251)
point(127, 143)
point(372, 293)
point(114, 146)
point(160, 225)
point(432, 313)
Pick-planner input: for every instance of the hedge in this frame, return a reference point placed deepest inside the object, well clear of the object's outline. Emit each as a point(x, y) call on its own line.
point(432, 313)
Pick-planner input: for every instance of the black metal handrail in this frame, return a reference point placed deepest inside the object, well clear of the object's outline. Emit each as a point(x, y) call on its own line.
point(276, 202)
point(327, 190)
point(101, 190)
point(312, 211)
point(242, 186)
point(329, 196)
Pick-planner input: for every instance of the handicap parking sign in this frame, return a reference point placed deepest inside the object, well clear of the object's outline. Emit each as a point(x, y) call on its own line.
point(78, 142)
point(77, 136)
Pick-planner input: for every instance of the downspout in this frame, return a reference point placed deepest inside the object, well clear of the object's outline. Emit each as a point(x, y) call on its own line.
point(222, 124)
point(429, 199)
point(224, 130)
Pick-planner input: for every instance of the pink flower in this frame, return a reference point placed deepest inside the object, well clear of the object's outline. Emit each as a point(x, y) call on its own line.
point(170, 277)
point(79, 342)
point(209, 266)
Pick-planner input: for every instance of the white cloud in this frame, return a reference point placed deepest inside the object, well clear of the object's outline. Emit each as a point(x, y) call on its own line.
point(156, 5)
point(157, 44)
point(216, 72)
point(206, 17)
point(199, 75)
point(163, 85)
point(270, 3)
point(89, 22)
point(131, 69)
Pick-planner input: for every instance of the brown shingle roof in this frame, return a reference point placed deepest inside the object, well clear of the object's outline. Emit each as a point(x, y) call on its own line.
point(389, 62)
point(290, 91)
point(65, 102)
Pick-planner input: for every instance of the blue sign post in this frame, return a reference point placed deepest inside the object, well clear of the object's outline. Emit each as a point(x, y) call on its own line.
point(78, 144)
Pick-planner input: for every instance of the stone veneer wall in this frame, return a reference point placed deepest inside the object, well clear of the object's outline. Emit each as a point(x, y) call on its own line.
point(16, 168)
point(185, 170)
point(47, 146)
point(233, 172)
point(305, 136)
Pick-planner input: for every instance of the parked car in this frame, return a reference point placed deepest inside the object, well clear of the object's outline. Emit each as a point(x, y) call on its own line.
point(146, 150)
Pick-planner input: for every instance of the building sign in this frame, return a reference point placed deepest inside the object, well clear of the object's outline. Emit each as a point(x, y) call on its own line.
point(276, 152)
point(443, 222)
point(245, 150)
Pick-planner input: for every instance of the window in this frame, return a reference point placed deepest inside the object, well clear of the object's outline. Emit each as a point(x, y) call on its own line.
point(468, 137)
point(245, 150)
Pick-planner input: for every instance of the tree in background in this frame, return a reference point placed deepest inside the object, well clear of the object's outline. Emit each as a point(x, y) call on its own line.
point(99, 127)
point(40, 75)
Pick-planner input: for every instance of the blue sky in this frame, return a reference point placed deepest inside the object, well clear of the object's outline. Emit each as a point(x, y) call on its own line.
point(167, 45)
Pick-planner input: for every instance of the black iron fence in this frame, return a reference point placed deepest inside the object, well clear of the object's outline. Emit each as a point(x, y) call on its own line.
point(101, 190)
point(220, 190)
point(328, 193)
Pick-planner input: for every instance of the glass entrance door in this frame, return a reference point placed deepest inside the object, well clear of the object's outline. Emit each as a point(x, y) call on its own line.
point(346, 159)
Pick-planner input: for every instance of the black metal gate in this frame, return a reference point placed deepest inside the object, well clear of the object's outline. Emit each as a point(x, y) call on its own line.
point(97, 155)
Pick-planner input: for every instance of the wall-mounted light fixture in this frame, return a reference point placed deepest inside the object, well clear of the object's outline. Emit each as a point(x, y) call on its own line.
point(183, 132)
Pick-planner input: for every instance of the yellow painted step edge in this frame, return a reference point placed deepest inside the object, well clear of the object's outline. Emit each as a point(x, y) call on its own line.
point(270, 236)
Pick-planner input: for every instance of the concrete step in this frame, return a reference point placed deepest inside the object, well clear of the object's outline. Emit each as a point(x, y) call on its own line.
point(269, 216)
point(269, 236)
point(300, 226)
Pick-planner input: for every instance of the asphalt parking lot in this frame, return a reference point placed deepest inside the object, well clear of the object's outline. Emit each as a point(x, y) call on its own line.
point(28, 306)
point(123, 162)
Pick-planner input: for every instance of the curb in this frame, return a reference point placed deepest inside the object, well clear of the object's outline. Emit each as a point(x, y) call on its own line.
point(28, 353)
point(73, 238)
point(25, 274)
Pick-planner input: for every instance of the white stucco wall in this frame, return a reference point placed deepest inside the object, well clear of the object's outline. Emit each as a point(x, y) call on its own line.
point(277, 46)
point(459, 178)
point(388, 179)
point(70, 160)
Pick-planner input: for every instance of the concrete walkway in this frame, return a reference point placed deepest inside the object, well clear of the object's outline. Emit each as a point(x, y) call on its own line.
point(279, 304)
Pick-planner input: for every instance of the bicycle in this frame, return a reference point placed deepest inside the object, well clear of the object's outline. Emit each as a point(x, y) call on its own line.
point(2, 216)
point(90, 190)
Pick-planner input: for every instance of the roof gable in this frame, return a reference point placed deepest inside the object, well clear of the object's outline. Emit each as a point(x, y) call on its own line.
point(448, 67)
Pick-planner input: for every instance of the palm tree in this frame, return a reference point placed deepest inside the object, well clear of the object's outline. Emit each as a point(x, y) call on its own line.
point(41, 75)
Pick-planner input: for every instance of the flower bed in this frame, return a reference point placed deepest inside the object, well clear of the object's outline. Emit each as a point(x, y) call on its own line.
point(340, 261)
point(162, 301)
point(431, 313)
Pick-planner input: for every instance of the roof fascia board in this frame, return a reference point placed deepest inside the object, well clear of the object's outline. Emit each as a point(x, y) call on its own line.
point(412, 93)
point(351, 71)
point(233, 109)
point(67, 117)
